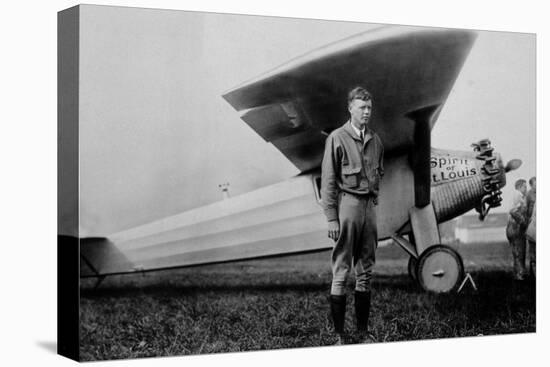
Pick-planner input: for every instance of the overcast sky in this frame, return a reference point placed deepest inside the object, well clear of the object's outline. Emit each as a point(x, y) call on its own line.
point(156, 138)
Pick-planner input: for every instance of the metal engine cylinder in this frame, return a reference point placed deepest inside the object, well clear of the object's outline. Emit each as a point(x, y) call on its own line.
point(462, 181)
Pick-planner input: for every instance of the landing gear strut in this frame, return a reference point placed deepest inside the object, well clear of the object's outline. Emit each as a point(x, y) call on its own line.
point(437, 268)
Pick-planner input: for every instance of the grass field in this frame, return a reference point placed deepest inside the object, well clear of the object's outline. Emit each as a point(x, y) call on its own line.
point(281, 303)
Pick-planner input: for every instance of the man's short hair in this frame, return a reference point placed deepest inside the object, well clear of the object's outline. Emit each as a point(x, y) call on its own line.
point(359, 93)
point(532, 180)
point(519, 183)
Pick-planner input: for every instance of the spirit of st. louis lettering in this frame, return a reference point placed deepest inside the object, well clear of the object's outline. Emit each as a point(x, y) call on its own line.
point(446, 168)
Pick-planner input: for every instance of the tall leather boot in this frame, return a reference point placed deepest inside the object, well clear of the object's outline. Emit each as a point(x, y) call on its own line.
point(338, 313)
point(362, 312)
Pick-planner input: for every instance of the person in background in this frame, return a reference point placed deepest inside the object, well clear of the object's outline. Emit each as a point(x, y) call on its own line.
point(515, 229)
point(530, 233)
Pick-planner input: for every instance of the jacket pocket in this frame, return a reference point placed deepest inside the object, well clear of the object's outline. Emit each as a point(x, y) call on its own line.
point(349, 176)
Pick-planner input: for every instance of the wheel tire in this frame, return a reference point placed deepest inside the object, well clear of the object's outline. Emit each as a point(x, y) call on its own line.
point(440, 269)
point(412, 267)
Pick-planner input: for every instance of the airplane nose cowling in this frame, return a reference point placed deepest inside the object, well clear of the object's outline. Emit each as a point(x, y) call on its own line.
point(477, 184)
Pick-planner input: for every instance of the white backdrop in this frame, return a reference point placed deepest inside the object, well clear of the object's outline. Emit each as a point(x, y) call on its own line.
point(28, 75)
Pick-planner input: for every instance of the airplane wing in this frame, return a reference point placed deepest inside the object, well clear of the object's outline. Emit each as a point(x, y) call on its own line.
point(297, 104)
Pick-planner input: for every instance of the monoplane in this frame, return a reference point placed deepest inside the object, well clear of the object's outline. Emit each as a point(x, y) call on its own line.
point(410, 73)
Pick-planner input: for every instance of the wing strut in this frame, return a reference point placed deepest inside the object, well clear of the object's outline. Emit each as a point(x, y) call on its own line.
point(420, 156)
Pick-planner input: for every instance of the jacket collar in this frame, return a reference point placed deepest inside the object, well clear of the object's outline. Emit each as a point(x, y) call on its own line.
point(351, 131)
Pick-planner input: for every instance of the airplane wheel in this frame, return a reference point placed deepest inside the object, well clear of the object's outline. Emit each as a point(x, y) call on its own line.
point(412, 266)
point(440, 269)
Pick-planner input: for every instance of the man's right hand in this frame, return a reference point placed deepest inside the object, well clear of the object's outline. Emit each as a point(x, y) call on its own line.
point(333, 230)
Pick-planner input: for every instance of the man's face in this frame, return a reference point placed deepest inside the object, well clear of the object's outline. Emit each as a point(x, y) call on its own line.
point(360, 112)
point(534, 185)
point(523, 189)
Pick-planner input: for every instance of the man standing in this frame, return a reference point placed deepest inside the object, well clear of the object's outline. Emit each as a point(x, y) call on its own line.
point(515, 230)
point(351, 170)
point(530, 233)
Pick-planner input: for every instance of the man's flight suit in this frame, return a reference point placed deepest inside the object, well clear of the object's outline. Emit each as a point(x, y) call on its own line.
point(351, 172)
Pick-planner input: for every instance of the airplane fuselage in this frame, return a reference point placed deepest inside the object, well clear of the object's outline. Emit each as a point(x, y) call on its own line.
point(283, 218)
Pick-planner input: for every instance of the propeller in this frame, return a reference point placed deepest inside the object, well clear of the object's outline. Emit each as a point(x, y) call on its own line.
point(512, 165)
